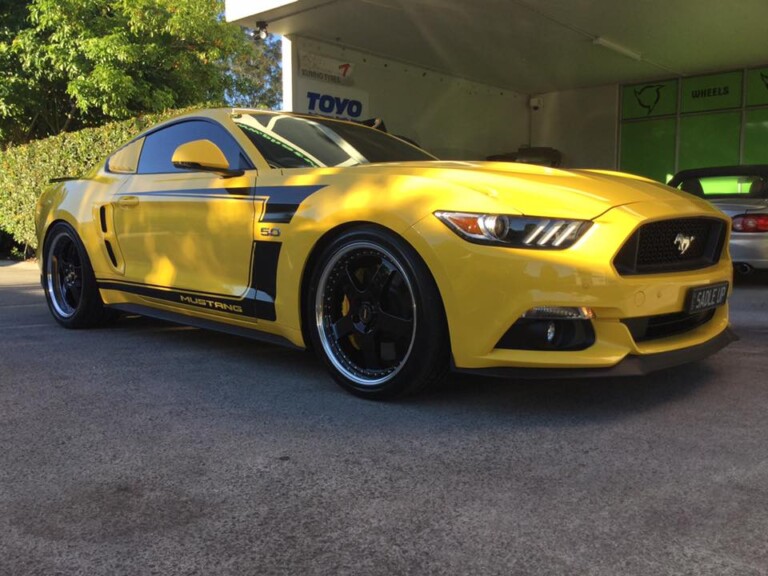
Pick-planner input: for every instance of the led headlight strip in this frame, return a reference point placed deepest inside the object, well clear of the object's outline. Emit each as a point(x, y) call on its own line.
point(515, 231)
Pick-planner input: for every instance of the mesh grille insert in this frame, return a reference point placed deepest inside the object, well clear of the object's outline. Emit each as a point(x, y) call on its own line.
point(672, 245)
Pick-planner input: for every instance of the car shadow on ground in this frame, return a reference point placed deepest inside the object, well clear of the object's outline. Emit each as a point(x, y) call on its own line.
point(303, 375)
point(287, 375)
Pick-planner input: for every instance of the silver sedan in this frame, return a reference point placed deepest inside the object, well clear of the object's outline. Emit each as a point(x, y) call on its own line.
point(742, 193)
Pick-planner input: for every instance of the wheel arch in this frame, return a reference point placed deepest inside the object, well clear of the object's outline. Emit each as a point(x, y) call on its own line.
point(54, 218)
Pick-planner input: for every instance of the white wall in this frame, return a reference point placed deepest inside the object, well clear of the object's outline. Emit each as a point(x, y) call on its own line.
point(582, 124)
point(450, 117)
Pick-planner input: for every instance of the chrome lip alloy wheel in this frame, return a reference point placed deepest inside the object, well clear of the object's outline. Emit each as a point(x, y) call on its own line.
point(365, 313)
point(64, 275)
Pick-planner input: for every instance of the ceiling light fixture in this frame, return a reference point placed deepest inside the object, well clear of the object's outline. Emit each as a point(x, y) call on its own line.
point(618, 48)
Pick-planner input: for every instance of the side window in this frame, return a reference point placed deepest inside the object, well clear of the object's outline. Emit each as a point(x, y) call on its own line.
point(159, 146)
point(125, 160)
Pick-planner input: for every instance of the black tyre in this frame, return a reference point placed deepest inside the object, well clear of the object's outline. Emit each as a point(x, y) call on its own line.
point(70, 286)
point(375, 316)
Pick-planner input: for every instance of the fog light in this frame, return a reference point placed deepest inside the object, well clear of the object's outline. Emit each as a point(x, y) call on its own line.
point(546, 334)
point(551, 333)
point(560, 313)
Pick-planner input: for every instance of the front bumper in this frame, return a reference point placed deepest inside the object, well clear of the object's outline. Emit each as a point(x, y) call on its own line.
point(486, 289)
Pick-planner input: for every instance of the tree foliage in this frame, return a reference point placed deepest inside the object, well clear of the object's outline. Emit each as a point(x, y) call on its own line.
point(26, 169)
point(67, 64)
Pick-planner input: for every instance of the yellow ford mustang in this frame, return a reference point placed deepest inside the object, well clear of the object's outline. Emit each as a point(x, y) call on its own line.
point(391, 264)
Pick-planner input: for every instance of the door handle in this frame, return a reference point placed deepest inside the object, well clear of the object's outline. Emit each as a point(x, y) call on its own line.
point(128, 201)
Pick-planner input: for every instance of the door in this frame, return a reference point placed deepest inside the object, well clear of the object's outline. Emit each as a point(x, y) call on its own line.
point(188, 231)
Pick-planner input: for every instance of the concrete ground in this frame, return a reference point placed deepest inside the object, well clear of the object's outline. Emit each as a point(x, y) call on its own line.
point(147, 448)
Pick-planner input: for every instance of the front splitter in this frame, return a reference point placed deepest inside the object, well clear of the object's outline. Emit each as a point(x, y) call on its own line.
point(631, 365)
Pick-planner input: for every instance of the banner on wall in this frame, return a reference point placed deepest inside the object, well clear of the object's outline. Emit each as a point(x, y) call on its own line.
point(712, 92)
point(331, 100)
point(316, 67)
point(649, 100)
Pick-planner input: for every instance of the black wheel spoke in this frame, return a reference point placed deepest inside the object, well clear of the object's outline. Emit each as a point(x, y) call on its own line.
point(369, 346)
point(343, 327)
point(380, 280)
point(395, 326)
point(73, 294)
point(71, 254)
point(349, 285)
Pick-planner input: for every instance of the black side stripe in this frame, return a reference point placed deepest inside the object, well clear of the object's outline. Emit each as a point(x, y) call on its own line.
point(264, 278)
point(281, 201)
point(284, 201)
point(257, 302)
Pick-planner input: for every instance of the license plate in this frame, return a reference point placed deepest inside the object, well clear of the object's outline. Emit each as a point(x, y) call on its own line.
point(706, 297)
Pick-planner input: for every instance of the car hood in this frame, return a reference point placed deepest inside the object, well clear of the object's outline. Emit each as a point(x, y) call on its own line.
point(736, 206)
point(533, 190)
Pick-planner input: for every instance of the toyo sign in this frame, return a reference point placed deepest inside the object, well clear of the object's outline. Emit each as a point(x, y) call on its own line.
point(330, 100)
point(335, 105)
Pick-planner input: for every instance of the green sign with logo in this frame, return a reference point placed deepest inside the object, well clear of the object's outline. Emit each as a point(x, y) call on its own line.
point(713, 92)
point(649, 100)
point(757, 87)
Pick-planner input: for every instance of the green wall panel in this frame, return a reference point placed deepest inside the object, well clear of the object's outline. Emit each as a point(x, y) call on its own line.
point(648, 148)
point(709, 140)
point(712, 92)
point(756, 137)
point(757, 87)
point(653, 99)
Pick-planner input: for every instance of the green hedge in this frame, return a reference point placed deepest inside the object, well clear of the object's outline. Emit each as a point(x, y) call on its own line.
point(25, 170)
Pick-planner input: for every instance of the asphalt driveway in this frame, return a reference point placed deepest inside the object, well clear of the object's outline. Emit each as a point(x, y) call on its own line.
point(147, 448)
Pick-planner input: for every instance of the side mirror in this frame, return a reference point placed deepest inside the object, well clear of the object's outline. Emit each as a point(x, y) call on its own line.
point(203, 155)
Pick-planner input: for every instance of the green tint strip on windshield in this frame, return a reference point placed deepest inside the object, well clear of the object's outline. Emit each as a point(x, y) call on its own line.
point(295, 151)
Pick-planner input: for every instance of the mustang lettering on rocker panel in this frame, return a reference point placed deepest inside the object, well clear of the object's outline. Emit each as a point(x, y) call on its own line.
point(259, 299)
point(257, 302)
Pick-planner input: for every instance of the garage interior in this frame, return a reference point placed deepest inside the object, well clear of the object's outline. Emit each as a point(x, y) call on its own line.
point(472, 80)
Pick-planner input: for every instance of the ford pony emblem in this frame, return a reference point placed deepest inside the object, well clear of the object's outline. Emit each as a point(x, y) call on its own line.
point(683, 242)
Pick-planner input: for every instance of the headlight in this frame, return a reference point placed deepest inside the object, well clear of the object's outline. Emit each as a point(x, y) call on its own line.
point(515, 231)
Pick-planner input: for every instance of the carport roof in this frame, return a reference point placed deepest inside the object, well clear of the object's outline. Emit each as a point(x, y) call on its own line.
point(532, 46)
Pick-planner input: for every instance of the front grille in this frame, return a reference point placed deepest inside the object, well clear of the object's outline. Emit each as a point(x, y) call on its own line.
point(663, 325)
point(672, 245)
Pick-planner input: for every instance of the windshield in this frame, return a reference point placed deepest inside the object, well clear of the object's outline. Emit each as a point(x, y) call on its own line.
point(292, 142)
point(719, 187)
